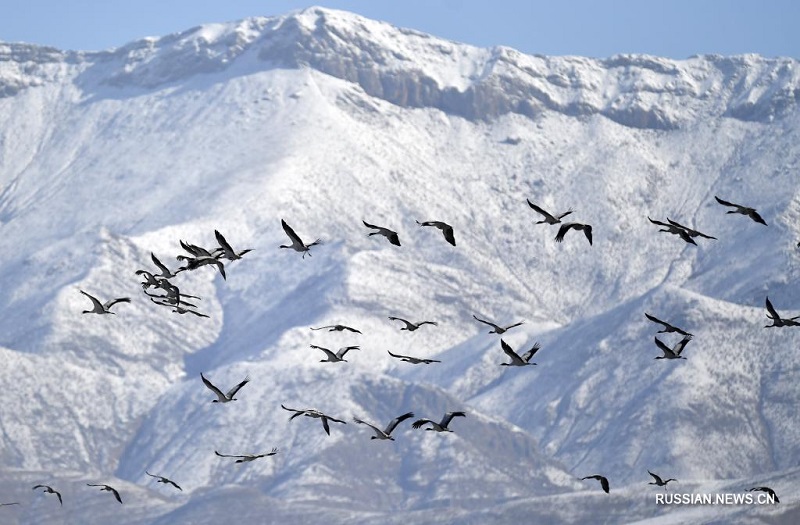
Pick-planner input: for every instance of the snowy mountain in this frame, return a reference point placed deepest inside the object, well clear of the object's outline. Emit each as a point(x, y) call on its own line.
point(326, 119)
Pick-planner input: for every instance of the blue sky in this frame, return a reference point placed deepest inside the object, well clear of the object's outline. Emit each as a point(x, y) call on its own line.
point(672, 28)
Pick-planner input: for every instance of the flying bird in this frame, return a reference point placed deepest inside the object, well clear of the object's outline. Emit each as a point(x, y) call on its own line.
point(337, 357)
point(689, 231)
point(658, 481)
point(675, 230)
point(107, 488)
point(602, 479)
point(411, 326)
point(162, 479)
point(516, 359)
point(744, 210)
point(777, 320)
point(314, 413)
point(386, 232)
point(337, 328)
point(103, 308)
point(228, 252)
point(49, 490)
point(387, 432)
point(496, 328)
point(548, 217)
point(667, 327)
point(675, 351)
point(768, 491)
point(223, 398)
point(414, 360)
point(447, 230)
point(440, 426)
point(297, 244)
point(246, 458)
point(8, 504)
point(587, 230)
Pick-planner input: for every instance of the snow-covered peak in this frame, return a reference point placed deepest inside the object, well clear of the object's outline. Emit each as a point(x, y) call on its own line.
point(412, 69)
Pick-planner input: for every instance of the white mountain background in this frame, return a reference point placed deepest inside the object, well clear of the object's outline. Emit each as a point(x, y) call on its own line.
point(324, 119)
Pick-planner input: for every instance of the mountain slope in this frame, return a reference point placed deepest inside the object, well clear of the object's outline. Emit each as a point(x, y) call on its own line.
point(325, 119)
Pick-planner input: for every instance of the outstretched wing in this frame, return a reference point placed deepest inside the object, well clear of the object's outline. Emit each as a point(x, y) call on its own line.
point(396, 421)
point(527, 356)
point(329, 353)
point(97, 304)
point(681, 345)
point(373, 427)
point(449, 417)
point(342, 351)
point(656, 477)
point(562, 231)
point(773, 314)
point(290, 232)
point(510, 352)
point(726, 203)
point(296, 412)
point(211, 387)
point(112, 302)
point(541, 211)
point(223, 243)
point(419, 422)
point(232, 391)
point(657, 320)
point(486, 322)
point(664, 348)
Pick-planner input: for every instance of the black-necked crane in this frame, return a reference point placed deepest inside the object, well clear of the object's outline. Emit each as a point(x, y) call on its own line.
point(162, 479)
point(409, 325)
point(744, 210)
point(586, 228)
point(675, 230)
point(337, 357)
point(768, 491)
point(675, 351)
point(414, 360)
point(548, 217)
point(246, 458)
point(228, 252)
point(516, 359)
point(658, 481)
point(602, 479)
point(103, 308)
point(497, 329)
point(390, 235)
point(337, 328)
point(668, 328)
point(387, 432)
point(446, 229)
point(689, 231)
point(49, 490)
point(777, 320)
point(314, 413)
point(107, 488)
point(440, 426)
point(223, 398)
point(297, 243)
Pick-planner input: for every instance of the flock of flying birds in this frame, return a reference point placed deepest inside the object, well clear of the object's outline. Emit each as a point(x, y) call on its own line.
point(163, 292)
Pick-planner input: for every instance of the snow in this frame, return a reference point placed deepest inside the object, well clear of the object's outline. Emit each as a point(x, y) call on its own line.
point(325, 119)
